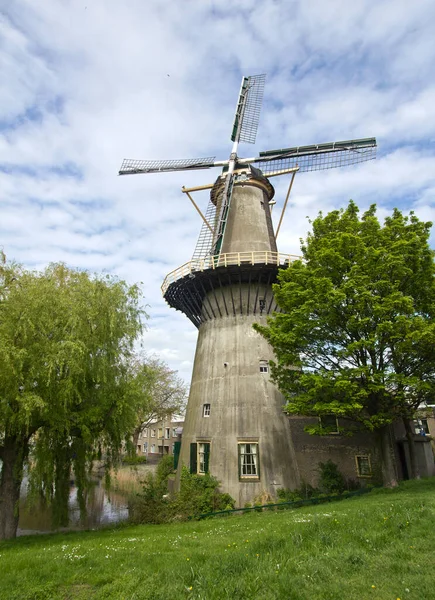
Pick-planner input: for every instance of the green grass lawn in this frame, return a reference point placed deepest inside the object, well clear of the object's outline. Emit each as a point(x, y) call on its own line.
point(378, 546)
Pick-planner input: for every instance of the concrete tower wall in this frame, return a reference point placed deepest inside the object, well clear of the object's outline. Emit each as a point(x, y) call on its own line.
point(244, 407)
point(249, 225)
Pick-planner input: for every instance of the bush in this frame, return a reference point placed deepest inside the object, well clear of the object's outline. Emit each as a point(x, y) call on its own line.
point(306, 491)
point(198, 494)
point(331, 479)
point(134, 460)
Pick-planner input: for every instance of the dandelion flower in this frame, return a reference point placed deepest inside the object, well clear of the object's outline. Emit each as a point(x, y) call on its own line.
point(373, 587)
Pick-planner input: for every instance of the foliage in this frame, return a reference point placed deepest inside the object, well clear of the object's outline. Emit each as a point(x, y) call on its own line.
point(340, 550)
point(156, 391)
point(134, 460)
point(305, 491)
point(356, 338)
point(331, 480)
point(198, 494)
point(65, 342)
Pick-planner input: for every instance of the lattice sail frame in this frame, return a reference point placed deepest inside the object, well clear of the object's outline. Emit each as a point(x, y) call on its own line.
point(248, 109)
point(317, 158)
point(131, 166)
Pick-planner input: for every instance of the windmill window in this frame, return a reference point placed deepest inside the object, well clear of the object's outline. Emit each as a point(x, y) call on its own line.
point(330, 424)
point(199, 457)
point(363, 466)
point(249, 467)
point(264, 367)
point(206, 410)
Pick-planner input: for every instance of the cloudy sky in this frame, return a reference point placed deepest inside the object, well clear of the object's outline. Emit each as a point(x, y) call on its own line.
point(85, 83)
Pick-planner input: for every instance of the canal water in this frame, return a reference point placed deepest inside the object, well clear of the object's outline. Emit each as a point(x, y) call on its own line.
point(103, 508)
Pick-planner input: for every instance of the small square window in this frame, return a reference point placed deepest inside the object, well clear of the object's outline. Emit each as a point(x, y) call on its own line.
point(248, 461)
point(206, 410)
point(330, 424)
point(363, 466)
point(264, 366)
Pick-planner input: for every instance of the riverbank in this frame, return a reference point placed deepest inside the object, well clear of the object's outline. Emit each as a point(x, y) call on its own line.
point(378, 546)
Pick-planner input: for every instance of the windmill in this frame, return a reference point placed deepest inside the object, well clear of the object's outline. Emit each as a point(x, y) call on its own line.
point(234, 424)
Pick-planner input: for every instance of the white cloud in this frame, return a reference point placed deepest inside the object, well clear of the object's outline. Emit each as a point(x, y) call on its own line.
point(85, 84)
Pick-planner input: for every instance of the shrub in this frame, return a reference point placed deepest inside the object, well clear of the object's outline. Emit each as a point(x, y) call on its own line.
point(331, 479)
point(198, 494)
point(134, 460)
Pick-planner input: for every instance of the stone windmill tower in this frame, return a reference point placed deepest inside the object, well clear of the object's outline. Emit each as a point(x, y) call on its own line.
point(235, 427)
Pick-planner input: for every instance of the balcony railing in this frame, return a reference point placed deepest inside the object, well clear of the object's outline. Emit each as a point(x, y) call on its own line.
point(226, 260)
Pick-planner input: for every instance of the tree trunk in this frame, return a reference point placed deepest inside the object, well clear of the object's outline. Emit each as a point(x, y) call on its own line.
point(14, 453)
point(135, 439)
point(415, 471)
point(389, 473)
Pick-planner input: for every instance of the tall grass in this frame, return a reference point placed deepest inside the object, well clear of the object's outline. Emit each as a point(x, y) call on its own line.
point(380, 546)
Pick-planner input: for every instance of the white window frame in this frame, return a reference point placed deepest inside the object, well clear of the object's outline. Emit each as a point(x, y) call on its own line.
point(200, 459)
point(153, 448)
point(206, 409)
point(145, 433)
point(167, 433)
point(153, 433)
point(264, 366)
point(174, 432)
point(249, 460)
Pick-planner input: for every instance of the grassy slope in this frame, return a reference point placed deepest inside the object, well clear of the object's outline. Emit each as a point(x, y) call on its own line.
point(379, 546)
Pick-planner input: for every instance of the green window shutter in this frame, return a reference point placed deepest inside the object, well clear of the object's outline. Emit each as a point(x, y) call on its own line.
point(206, 457)
point(177, 447)
point(193, 458)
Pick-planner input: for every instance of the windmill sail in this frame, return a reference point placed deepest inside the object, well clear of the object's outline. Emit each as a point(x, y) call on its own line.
point(317, 157)
point(134, 167)
point(248, 109)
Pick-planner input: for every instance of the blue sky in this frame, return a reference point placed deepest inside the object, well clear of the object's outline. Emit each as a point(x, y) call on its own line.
point(85, 84)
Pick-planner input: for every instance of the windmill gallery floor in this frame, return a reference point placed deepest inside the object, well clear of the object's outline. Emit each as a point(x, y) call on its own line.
point(378, 546)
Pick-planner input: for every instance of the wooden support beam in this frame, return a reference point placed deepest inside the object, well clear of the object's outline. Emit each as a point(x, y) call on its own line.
point(285, 204)
point(186, 191)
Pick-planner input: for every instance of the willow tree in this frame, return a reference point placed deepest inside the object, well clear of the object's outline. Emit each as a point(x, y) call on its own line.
point(65, 342)
point(356, 337)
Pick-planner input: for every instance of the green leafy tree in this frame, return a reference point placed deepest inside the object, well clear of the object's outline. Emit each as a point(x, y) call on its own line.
point(356, 337)
point(65, 342)
point(156, 391)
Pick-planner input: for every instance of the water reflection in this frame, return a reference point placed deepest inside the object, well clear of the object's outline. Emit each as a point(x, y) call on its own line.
point(103, 508)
